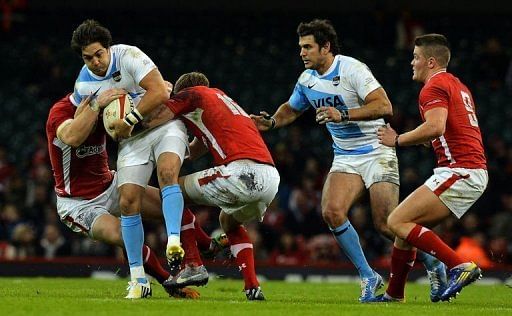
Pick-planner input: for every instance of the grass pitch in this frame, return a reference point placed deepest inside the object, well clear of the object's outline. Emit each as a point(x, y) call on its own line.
point(66, 296)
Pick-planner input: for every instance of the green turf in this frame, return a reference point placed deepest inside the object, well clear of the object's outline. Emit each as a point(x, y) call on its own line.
point(65, 296)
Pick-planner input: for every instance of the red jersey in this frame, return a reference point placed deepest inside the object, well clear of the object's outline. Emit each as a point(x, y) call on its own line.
point(461, 144)
point(222, 125)
point(78, 172)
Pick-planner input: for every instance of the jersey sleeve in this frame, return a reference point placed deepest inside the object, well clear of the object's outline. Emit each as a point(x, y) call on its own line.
point(433, 96)
point(362, 80)
point(298, 100)
point(181, 103)
point(137, 63)
point(76, 97)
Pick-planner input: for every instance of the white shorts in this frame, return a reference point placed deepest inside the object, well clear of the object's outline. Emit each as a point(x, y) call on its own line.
point(137, 156)
point(243, 188)
point(80, 215)
point(458, 188)
point(380, 165)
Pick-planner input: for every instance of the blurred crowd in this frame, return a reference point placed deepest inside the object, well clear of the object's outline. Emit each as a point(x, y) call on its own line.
point(293, 231)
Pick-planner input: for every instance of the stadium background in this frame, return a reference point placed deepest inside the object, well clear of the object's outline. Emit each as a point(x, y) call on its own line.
point(249, 49)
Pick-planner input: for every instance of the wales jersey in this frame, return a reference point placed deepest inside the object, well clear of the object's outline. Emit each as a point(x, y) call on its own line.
point(344, 85)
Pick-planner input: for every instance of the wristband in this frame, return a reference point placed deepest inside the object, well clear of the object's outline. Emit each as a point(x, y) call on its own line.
point(272, 123)
point(94, 106)
point(133, 117)
point(272, 119)
point(396, 141)
point(344, 115)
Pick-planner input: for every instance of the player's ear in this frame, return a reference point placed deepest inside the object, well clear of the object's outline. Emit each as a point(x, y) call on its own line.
point(326, 48)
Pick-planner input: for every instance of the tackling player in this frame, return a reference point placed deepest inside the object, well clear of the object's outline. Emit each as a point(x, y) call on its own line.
point(128, 68)
point(244, 180)
point(87, 194)
point(451, 126)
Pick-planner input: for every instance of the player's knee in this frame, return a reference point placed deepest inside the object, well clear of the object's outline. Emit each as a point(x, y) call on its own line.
point(227, 222)
point(130, 204)
point(393, 223)
point(382, 227)
point(167, 176)
point(334, 216)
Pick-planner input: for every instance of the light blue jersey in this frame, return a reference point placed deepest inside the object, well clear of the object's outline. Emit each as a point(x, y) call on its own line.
point(344, 85)
point(128, 66)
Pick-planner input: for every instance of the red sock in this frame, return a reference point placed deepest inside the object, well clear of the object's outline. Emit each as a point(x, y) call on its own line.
point(241, 248)
point(402, 262)
point(426, 240)
point(202, 238)
point(188, 239)
point(152, 265)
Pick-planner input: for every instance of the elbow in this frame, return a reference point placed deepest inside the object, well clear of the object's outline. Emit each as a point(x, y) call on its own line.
point(437, 131)
point(72, 140)
point(386, 109)
point(162, 95)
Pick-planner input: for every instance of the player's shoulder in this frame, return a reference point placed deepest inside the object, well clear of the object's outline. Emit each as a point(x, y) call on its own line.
point(306, 76)
point(123, 50)
point(60, 108)
point(349, 65)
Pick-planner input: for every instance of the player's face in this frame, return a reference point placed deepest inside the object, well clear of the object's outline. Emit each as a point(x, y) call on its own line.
point(310, 52)
point(96, 58)
point(419, 65)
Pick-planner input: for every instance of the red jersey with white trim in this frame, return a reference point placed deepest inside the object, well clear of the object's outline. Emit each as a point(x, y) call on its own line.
point(78, 172)
point(222, 125)
point(461, 144)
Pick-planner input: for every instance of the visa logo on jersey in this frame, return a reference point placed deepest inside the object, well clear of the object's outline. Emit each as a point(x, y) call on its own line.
point(328, 101)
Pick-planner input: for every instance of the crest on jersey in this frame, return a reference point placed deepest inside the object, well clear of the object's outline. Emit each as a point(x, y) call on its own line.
point(116, 76)
point(336, 80)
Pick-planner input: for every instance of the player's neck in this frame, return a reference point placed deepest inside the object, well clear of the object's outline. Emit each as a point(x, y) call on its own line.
point(434, 72)
point(328, 63)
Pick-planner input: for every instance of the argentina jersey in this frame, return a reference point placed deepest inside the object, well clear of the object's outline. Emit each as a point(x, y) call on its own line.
point(344, 85)
point(128, 66)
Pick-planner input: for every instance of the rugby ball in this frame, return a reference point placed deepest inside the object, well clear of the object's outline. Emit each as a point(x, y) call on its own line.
point(117, 109)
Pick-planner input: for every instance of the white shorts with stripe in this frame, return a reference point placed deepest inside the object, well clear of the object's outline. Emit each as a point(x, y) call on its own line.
point(380, 165)
point(137, 156)
point(242, 188)
point(458, 188)
point(80, 215)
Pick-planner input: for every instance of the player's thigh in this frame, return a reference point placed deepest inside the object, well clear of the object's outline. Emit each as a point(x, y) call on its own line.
point(384, 198)
point(152, 204)
point(341, 190)
point(107, 228)
point(421, 207)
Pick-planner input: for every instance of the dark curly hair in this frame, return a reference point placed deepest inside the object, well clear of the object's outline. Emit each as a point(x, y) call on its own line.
point(90, 31)
point(323, 31)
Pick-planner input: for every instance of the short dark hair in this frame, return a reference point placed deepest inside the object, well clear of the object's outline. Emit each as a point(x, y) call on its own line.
point(191, 79)
point(90, 31)
point(435, 45)
point(323, 31)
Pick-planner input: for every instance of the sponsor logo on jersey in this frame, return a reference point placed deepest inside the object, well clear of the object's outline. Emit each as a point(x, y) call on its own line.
point(84, 151)
point(328, 101)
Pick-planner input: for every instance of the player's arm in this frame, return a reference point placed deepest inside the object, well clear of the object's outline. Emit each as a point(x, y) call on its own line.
point(156, 94)
point(197, 149)
point(284, 115)
point(158, 117)
point(433, 127)
point(376, 105)
point(74, 132)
